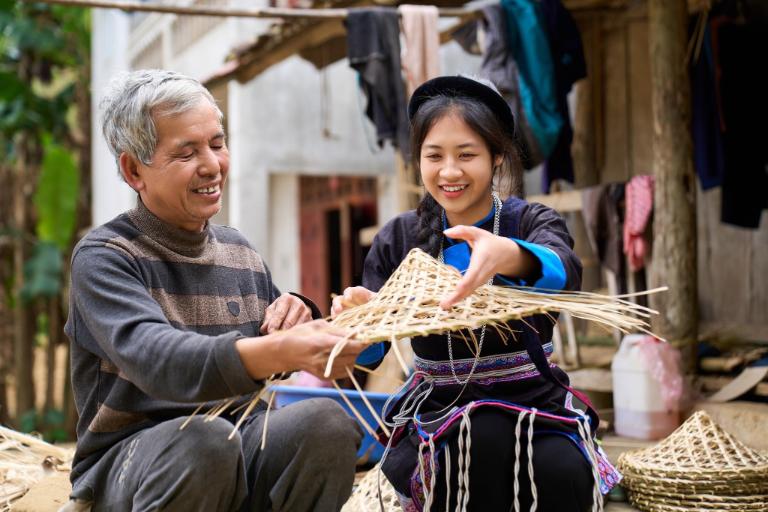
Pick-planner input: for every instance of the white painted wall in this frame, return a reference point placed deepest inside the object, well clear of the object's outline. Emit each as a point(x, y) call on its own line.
point(109, 56)
point(283, 258)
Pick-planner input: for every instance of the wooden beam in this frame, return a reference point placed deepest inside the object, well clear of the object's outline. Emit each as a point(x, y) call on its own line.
point(313, 35)
point(262, 12)
point(563, 202)
point(674, 218)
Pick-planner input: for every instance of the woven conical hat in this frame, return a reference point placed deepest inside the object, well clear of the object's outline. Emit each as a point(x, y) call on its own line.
point(698, 450)
point(408, 305)
point(365, 495)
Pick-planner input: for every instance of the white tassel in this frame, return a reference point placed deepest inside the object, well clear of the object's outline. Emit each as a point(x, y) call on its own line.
point(462, 499)
point(535, 495)
point(586, 436)
point(521, 415)
point(422, 475)
point(447, 478)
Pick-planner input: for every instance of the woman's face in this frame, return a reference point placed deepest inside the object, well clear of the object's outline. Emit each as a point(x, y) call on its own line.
point(457, 170)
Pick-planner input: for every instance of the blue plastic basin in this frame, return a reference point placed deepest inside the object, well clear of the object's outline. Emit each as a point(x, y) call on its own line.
point(291, 394)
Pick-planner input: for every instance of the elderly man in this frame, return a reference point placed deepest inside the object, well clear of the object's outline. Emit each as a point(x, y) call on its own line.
point(169, 311)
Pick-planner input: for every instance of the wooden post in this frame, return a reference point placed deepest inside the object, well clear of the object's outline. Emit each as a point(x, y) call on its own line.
point(23, 327)
point(674, 223)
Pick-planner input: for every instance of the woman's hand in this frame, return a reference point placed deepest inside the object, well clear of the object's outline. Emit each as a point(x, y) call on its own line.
point(491, 255)
point(353, 296)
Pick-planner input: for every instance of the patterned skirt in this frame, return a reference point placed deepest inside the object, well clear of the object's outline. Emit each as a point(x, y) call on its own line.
point(437, 404)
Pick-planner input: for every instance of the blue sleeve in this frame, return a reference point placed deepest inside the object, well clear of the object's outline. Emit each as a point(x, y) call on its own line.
point(553, 276)
point(372, 354)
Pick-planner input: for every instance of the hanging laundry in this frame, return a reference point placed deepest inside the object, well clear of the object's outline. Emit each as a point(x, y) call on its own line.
point(743, 85)
point(569, 66)
point(421, 54)
point(373, 48)
point(708, 152)
point(499, 67)
point(638, 202)
point(530, 49)
point(603, 220)
point(468, 37)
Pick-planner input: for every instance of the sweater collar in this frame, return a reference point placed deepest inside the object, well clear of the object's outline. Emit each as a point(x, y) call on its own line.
point(187, 243)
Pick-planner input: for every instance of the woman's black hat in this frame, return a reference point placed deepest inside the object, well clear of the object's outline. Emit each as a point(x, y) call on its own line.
point(458, 86)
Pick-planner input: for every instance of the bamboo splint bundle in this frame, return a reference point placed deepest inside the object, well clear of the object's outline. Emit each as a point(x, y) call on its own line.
point(24, 460)
point(408, 305)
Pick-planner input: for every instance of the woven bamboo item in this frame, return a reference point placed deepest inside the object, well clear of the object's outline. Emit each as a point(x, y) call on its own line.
point(25, 460)
point(408, 305)
point(365, 495)
point(699, 467)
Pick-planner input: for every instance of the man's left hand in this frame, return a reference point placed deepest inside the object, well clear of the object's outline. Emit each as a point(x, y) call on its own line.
point(285, 312)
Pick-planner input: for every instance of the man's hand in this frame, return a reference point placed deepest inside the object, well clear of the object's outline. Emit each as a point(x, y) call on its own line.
point(285, 312)
point(310, 345)
point(353, 296)
point(305, 347)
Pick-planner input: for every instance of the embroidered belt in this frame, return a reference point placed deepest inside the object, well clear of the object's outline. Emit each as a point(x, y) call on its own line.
point(489, 369)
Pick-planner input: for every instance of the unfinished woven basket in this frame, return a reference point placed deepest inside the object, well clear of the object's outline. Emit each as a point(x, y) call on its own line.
point(365, 495)
point(698, 467)
point(408, 305)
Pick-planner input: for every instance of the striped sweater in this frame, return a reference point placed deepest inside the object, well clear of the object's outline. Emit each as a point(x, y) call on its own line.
point(154, 315)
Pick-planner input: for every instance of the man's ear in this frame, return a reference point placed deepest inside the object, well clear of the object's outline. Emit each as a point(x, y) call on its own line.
point(129, 168)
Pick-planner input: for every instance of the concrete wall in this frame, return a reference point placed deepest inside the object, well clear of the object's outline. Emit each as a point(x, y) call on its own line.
point(109, 56)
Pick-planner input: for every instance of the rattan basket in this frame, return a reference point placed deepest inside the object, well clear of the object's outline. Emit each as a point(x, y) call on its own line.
point(698, 467)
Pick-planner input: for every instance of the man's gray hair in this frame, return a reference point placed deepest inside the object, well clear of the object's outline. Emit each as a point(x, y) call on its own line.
point(132, 101)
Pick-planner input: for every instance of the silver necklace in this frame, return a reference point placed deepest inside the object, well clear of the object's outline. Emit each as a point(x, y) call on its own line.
point(496, 215)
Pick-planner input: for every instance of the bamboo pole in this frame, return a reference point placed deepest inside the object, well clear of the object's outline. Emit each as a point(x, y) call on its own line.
point(674, 222)
point(263, 12)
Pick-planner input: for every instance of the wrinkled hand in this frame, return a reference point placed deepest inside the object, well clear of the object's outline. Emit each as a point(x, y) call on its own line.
point(309, 346)
point(285, 312)
point(491, 255)
point(353, 296)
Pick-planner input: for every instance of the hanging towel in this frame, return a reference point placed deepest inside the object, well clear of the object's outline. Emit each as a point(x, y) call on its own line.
point(421, 56)
point(373, 48)
point(569, 66)
point(530, 49)
point(499, 67)
point(638, 201)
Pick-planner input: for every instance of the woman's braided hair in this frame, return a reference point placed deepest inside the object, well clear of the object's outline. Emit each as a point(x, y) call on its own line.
point(507, 176)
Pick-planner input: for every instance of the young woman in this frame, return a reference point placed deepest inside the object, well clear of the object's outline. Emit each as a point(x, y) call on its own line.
point(498, 430)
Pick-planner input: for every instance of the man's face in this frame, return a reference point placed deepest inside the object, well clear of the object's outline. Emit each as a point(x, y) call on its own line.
point(184, 183)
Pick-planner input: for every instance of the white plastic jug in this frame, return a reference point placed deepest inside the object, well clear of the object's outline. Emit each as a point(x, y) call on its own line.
point(646, 388)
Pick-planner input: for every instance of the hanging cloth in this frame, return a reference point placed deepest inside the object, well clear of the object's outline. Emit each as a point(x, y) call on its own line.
point(638, 201)
point(373, 48)
point(743, 85)
point(420, 56)
point(499, 67)
point(708, 151)
point(530, 49)
point(569, 66)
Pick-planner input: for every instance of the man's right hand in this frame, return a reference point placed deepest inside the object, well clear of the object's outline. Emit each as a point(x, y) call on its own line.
point(353, 296)
point(305, 347)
